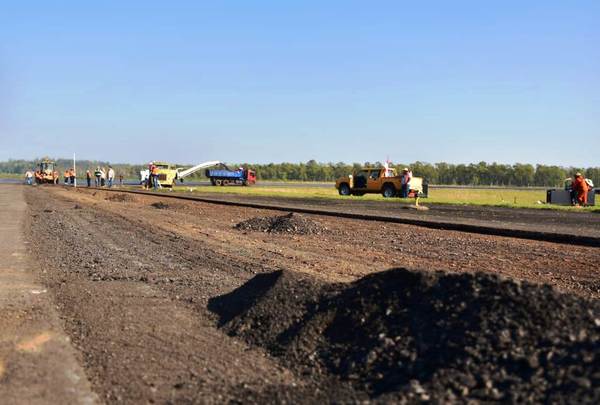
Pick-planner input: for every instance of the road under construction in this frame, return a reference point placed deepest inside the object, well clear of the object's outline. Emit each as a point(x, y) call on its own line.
point(138, 297)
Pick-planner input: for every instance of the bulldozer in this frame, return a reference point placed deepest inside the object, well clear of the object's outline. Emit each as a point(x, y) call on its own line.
point(46, 172)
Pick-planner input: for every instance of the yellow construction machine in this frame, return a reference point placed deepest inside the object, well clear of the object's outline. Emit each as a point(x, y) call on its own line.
point(46, 172)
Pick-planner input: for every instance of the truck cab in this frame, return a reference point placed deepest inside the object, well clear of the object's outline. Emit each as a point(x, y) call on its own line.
point(379, 180)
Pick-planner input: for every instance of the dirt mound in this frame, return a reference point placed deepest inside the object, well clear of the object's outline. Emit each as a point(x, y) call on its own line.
point(403, 335)
point(160, 205)
point(289, 223)
point(121, 197)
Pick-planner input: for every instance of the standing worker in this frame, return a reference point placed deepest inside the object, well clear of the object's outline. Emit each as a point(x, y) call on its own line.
point(111, 176)
point(29, 177)
point(97, 174)
point(580, 190)
point(154, 173)
point(72, 176)
point(88, 177)
point(148, 182)
point(404, 182)
point(67, 176)
point(120, 179)
point(102, 177)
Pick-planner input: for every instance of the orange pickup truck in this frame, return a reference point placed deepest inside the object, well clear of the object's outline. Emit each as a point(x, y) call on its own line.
point(379, 180)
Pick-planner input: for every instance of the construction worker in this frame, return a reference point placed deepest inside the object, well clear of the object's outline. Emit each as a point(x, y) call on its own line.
point(120, 179)
point(404, 182)
point(580, 190)
point(29, 177)
point(148, 182)
point(98, 174)
point(102, 177)
point(66, 175)
point(154, 174)
point(88, 177)
point(111, 176)
point(72, 176)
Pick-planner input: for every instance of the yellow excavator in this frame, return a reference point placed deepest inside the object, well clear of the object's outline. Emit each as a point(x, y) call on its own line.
point(46, 172)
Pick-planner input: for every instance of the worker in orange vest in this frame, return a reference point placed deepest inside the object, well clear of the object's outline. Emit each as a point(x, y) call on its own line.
point(154, 174)
point(580, 190)
point(67, 175)
point(72, 176)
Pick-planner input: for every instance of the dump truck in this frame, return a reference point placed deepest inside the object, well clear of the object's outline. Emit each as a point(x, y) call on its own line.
point(46, 173)
point(382, 180)
point(225, 177)
point(169, 174)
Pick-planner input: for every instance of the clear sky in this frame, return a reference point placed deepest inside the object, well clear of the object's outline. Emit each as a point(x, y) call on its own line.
point(261, 81)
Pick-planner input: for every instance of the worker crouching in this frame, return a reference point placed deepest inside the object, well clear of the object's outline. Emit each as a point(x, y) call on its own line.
point(579, 190)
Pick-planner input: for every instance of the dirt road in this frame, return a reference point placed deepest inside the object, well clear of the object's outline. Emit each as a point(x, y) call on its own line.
point(544, 220)
point(132, 280)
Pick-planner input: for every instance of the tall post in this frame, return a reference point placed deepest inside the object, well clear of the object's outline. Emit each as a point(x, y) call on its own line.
point(74, 172)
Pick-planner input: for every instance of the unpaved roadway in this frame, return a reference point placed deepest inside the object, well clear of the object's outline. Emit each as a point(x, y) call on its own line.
point(576, 223)
point(131, 283)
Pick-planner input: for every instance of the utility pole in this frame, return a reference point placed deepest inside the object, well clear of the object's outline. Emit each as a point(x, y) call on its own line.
point(74, 171)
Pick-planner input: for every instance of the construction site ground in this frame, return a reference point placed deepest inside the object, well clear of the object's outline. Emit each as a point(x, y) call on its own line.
point(542, 220)
point(132, 279)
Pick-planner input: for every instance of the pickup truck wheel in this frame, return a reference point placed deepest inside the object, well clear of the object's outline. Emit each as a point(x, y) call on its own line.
point(344, 189)
point(388, 191)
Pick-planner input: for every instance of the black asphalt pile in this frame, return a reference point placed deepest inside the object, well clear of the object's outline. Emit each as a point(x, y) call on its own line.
point(120, 197)
point(290, 223)
point(160, 205)
point(425, 336)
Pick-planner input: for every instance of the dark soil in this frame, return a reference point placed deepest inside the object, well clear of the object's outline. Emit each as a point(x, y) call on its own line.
point(160, 205)
point(120, 197)
point(403, 335)
point(543, 220)
point(290, 223)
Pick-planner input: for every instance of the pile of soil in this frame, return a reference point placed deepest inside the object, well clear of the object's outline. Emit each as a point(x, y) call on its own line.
point(290, 223)
point(421, 336)
point(160, 205)
point(121, 197)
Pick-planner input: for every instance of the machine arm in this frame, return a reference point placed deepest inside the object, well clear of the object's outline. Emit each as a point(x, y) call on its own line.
point(192, 170)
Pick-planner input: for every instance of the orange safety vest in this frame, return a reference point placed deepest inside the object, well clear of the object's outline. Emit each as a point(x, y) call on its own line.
point(154, 171)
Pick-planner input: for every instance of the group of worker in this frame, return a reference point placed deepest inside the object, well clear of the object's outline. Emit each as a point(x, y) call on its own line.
point(580, 186)
point(102, 177)
point(70, 176)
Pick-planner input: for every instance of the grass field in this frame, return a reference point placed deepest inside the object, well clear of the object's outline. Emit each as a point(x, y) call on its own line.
point(12, 176)
point(515, 198)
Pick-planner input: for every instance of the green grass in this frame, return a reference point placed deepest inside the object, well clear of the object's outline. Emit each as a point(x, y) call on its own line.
point(514, 198)
point(12, 176)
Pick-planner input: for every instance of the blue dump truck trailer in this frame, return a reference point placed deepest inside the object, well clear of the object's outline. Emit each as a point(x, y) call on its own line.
point(224, 177)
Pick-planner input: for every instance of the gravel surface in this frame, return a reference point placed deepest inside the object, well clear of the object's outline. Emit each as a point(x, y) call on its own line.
point(402, 335)
point(120, 197)
point(543, 220)
point(137, 289)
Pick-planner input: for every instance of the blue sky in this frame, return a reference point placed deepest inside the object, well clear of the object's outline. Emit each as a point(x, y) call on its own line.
point(262, 81)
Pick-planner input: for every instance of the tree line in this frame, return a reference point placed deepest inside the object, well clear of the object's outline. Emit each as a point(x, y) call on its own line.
point(474, 174)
